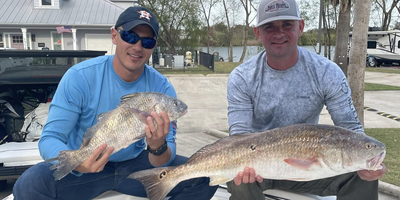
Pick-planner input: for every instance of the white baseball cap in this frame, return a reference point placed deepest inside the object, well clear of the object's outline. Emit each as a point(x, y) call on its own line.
point(272, 10)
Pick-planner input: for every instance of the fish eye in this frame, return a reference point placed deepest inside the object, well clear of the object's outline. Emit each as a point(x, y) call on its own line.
point(370, 146)
point(175, 103)
point(253, 147)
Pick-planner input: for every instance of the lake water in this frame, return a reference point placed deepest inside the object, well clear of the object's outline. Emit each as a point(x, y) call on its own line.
point(251, 51)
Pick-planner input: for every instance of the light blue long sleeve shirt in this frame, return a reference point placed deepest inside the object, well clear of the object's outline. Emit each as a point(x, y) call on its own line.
point(88, 89)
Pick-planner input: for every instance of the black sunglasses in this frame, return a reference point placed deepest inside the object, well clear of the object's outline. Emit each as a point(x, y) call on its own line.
point(133, 38)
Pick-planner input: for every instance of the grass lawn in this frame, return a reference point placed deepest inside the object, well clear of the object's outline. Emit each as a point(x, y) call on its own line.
point(219, 68)
point(383, 69)
point(225, 67)
point(391, 138)
point(379, 87)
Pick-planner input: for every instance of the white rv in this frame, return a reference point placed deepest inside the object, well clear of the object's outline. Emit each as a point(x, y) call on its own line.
point(383, 48)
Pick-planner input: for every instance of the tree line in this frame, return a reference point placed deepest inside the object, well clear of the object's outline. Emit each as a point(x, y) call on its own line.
point(188, 24)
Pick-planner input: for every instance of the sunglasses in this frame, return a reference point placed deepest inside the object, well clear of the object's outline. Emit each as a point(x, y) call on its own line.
point(133, 38)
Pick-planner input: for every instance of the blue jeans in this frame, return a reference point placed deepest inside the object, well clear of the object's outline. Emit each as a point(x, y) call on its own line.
point(38, 182)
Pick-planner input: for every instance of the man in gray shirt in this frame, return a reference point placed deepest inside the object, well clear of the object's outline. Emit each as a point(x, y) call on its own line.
point(286, 84)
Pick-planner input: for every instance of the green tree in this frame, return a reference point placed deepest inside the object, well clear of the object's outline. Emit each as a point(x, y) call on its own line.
point(207, 6)
point(386, 7)
point(248, 6)
point(177, 20)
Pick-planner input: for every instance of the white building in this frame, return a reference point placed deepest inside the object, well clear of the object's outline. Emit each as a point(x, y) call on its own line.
point(31, 24)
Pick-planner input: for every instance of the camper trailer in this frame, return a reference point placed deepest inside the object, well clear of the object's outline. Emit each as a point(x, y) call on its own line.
point(383, 48)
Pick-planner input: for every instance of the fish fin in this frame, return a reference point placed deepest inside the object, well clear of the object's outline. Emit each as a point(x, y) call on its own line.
point(85, 142)
point(216, 180)
point(141, 115)
point(216, 145)
point(128, 96)
point(303, 164)
point(156, 182)
point(87, 136)
point(102, 116)
point(67, 161)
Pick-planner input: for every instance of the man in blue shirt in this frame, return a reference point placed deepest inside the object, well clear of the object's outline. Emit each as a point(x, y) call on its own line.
point(93, 87)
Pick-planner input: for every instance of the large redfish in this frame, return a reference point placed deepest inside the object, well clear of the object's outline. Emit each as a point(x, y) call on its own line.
point(300, 152)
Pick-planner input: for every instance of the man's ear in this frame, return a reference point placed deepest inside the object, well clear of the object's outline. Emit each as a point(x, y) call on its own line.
point(301, 27)
point(256, 32)
point(114, 36)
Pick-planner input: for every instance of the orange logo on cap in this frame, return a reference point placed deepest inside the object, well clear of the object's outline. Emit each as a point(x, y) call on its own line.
point(144, 14)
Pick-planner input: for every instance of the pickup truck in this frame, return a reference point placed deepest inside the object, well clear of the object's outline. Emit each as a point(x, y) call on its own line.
point(28, 78)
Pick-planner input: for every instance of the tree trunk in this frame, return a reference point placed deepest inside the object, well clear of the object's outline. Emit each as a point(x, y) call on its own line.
point(325, 27)
point(358, 54)
point(208, 39)
point(247, 8)
point(342, 35)
point(230, 51)
point(207, 15)
point(328, 50)
point(245, 35)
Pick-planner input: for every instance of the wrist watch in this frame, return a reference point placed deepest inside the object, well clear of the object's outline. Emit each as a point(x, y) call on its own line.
point(163, 148)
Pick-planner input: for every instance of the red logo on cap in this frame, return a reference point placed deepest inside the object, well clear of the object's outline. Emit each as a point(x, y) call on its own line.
point(144, 14)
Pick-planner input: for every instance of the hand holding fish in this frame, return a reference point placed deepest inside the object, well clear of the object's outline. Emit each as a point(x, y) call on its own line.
point(155, 136)
point(97, 161)
point(371, 175)
point(248, 175)
point(122, 127)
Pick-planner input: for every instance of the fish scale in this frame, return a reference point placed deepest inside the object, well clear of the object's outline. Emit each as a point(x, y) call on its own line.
point(299, 152)
point(119, 128)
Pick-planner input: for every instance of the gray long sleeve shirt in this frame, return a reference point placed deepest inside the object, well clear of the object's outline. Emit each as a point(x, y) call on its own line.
point(261, 98)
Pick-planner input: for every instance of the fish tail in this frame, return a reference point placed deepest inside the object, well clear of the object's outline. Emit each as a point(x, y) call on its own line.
point(67, 161)
point(157, 182)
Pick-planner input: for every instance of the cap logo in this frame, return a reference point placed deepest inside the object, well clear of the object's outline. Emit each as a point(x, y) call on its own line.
point(144, 14)
point(277, 6)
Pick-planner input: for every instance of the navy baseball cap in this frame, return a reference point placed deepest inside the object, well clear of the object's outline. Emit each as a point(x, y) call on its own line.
point(137, 15)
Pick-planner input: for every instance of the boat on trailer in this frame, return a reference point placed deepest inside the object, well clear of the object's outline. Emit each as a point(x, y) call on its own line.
point(383, 48)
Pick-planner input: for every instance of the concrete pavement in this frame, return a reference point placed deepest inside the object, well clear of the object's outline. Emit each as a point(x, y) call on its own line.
point(206, 98)
point(383, 78)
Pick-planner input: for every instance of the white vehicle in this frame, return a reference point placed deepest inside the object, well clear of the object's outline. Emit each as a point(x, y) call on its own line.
point(383, 48)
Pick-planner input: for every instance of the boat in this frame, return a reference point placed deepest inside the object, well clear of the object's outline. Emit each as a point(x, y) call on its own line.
point(383, 48)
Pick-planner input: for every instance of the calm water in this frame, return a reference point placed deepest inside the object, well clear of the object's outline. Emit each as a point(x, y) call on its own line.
point(250, 51)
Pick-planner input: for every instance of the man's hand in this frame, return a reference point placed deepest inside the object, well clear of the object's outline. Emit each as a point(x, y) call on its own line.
point(155, 138)
point(95, 164)
point(370, 175)
point(248, 175)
